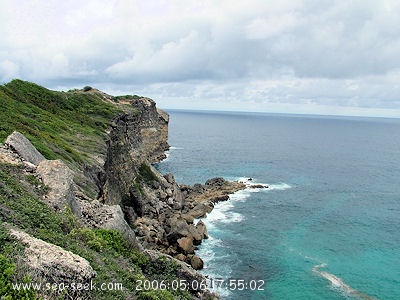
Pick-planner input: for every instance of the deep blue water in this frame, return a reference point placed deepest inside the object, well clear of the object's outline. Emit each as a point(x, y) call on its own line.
point(328, 227)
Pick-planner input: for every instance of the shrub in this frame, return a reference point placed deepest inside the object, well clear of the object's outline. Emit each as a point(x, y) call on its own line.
point(89, 237)
point(146, 173)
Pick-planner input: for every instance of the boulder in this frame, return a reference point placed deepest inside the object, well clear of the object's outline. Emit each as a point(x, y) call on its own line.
point(196, 262)
point(218, 181)
point(220, 198)
point(98, 215)
point(178, 198)
point(199, 211)
point(202, 229)
point(185, 244)
point(59, 178)
point(188, 218)
point(24, 148)
point(180, 257)
point(53, 262)
point(8, 156)
point(116, 221)
point(170, 178)
point(179, 228)
point(184, 272)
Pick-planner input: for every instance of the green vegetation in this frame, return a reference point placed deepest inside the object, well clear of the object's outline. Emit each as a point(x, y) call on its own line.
point(129, 97)
point(8, 274)
point(146, 174)
point(70, 126)
point(59, 124)
point(106, 250)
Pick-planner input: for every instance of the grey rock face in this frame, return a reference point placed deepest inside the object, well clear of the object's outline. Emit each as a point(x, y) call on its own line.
point(134, 139)
point(59, 178)
point(24, 148)
point(53, 262)
point(97, 215)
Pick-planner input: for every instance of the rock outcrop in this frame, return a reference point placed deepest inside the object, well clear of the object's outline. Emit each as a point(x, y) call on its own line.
point(134, 139)
point(63, 193)
point(53, 262)
point(97, 215)
point(24, 148)
point(168, 211)
point(132, 193)
point(56, 175)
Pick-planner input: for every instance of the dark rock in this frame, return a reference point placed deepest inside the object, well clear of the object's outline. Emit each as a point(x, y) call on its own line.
point(196, 262)
point(136, 200)
point(179, 228)
point(130, 214)
point(198, 188)
point(220, 198)
point(218, 181)
point(170, 178)
point(258, 186)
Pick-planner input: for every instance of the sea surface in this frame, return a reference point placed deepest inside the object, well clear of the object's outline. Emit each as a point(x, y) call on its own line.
point(328, 226)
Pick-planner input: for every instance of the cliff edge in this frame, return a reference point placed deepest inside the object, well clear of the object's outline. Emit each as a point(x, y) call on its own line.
point(80, 163)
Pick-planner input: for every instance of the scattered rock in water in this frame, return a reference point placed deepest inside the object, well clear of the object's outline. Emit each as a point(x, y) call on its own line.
point(196, 262)
point(258, 186)
point(186, 245)
point(202, 229)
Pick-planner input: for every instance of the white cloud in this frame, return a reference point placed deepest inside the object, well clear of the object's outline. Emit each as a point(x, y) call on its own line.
point(262, 28)
point(8, 70)
point(228, 54)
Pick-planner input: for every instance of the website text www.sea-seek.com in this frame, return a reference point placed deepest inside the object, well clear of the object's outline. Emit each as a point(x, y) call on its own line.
point(72, 286)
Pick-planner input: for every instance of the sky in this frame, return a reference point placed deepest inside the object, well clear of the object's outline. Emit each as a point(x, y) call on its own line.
point(337, 57)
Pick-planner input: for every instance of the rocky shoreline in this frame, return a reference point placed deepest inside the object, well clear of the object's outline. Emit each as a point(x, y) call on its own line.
point(170, 226)
point(117, 188)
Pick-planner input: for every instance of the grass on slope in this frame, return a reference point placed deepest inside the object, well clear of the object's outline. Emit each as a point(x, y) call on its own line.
point(59, 124)
point(106, 250)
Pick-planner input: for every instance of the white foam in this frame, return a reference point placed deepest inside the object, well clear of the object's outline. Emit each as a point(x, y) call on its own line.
point(338, 283)
point(239, 196)
point(252, 183)
point(206, 252)
point(168, 152)
point(279, 186)
point(222, 212)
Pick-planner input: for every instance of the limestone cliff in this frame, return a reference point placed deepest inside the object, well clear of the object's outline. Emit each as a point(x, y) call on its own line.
point(101, 169)
point(134, 139)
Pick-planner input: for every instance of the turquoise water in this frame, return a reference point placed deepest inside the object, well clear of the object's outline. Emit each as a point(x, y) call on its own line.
point(328, 227)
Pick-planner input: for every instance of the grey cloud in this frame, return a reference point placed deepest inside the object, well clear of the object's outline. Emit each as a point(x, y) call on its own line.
point(262, 52)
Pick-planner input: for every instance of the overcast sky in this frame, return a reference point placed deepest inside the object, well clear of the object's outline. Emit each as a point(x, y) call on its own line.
point(321, 56)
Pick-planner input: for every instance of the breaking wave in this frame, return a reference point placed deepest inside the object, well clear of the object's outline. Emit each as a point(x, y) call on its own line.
point(338, 283)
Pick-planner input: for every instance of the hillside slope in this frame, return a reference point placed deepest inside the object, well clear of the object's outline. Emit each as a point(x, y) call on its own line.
point(74, 128)
point(76, 177)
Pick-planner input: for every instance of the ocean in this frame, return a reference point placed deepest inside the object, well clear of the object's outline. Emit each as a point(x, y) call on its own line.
point(328, 226)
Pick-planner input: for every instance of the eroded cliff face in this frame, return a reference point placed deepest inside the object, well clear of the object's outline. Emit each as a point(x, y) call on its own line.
point(162, 211)
point(135, 138)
